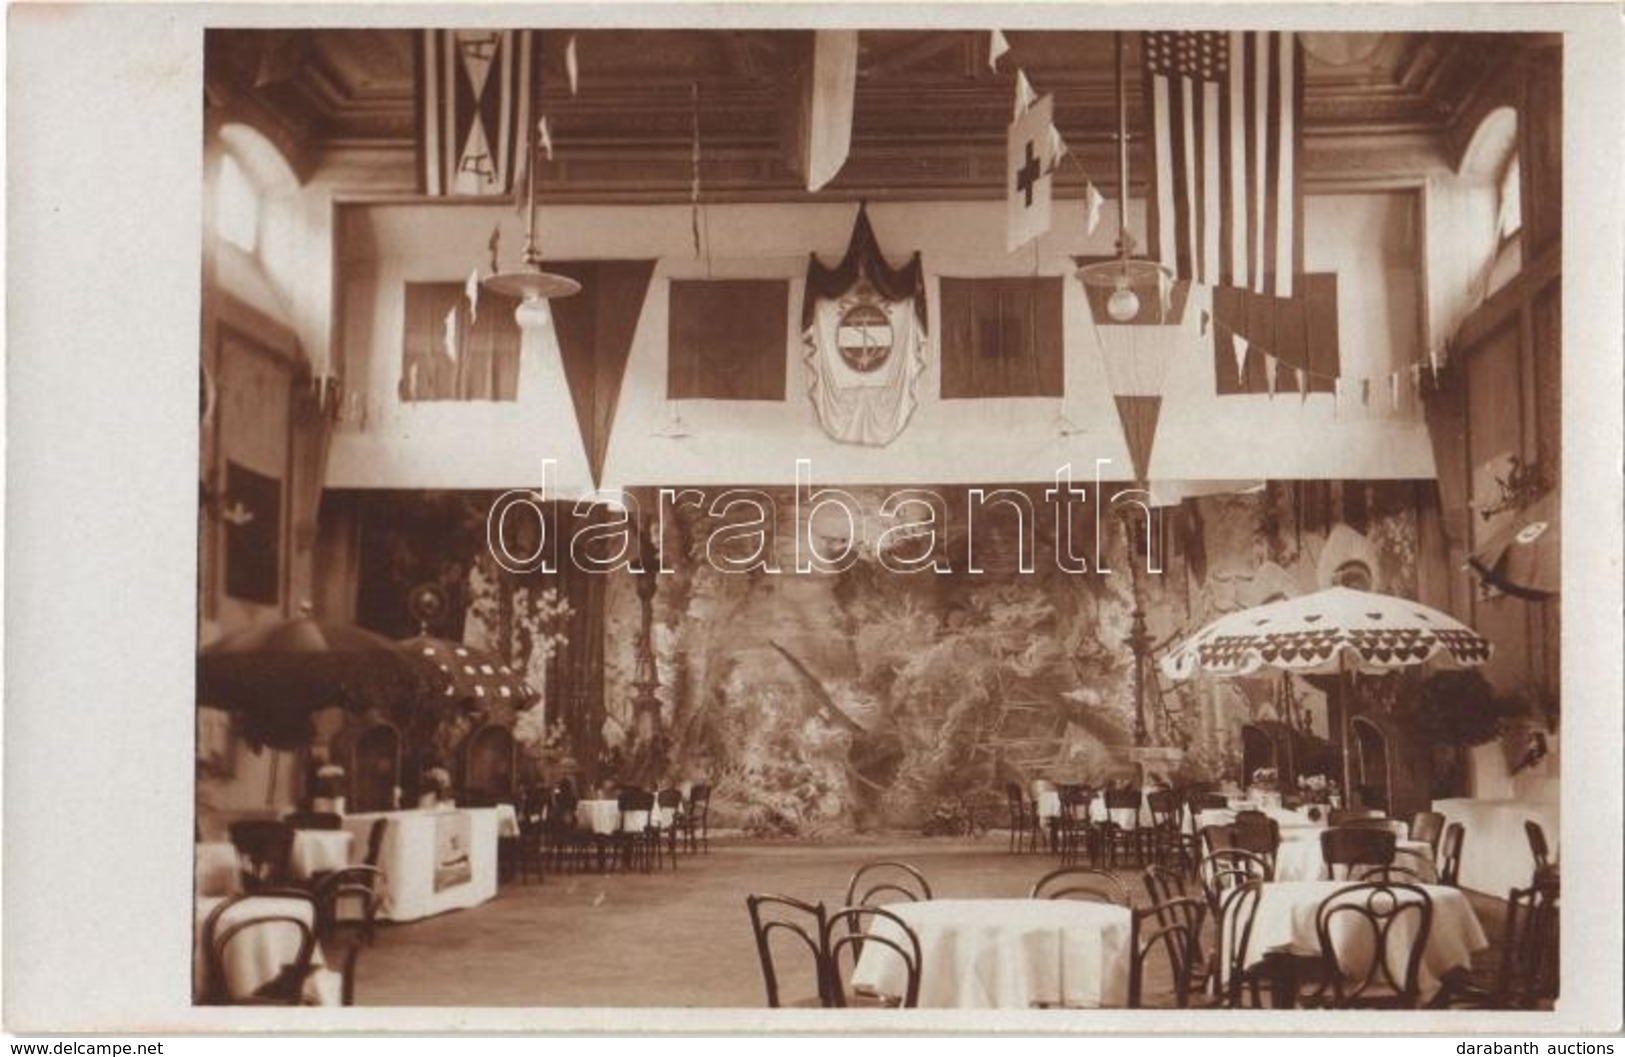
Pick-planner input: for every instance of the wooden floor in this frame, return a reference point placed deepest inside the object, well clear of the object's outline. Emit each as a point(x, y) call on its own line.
point(668, 940)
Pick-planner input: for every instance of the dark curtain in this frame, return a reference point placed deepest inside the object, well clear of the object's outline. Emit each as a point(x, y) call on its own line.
point(727, 339)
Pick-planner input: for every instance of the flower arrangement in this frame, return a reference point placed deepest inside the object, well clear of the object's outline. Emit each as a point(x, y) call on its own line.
point(437, 780)
point(330, 780)
point(1314, 788)
point(1266, 778)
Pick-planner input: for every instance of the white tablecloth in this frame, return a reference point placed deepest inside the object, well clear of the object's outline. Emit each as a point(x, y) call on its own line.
point(1007, 954)
point(604, 817)
point(1299, 857)
point(408, 856)
point(507, 820)
point(1285, 922)
point(319, 851)
point(257, 955)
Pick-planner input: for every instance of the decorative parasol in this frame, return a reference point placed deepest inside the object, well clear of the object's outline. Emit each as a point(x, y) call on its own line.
point(275, 675)
point(1337, 631)
point(463, 673)
point(1523, 559)
point(1328, 632)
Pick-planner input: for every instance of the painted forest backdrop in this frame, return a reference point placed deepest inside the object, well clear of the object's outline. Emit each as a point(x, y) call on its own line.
point(829, 703)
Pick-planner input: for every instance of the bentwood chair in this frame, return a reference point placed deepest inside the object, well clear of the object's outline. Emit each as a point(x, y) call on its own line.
point(347, 904)
point(898, 940)
point(1118, 839)
point(1539, 850)
point(1074, 834)
point(1024, 826)
point(1256, 832)
point(636, 846)
point(1081, 882)
point(1428, 826)
point(1236, 914)
point(785, 919)
point(1227, 869)
point(1372, 937)
point(265, 848)
point(1173, 928)
point(295, 934)
point(1455, 835)
point(696, 819)
point(668, 805)
point(1352, 846)
point(1527, 976)
point(1165, 840)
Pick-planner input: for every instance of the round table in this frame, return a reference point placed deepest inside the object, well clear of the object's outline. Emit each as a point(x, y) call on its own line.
point(1299, 857)
point(1006, 954)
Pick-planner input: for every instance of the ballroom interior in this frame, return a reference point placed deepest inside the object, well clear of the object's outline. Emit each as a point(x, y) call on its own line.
point(776, 414)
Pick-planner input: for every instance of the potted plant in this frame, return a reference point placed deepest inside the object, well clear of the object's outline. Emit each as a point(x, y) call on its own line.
point(329, 789)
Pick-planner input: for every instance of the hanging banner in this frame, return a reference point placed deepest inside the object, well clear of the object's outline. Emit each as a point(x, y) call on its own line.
point(864, 328)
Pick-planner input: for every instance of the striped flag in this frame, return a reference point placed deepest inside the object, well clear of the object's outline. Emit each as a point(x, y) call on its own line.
point(476, 88)
point(1227, 142)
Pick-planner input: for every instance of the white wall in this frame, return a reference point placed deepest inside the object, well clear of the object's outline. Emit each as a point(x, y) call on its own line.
point(1368, 239)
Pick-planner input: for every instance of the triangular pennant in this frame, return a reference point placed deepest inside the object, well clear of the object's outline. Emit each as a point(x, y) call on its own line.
point(1303, 385)
point(412, 382)
point(450, 339)
point(1164, 290)
point(997, 47)
point(1241, 360)
point(1433, 361)
point(1365, 392)
point(471, 290)
point(1092, 201)
point(1393, 390)
point(495, 241)
point(1206, 319)
point(1025, 96)
point(571, 70)
point(1270, 364)
point(594, 330)
point(546, 136)
point(1057, 149)
point(1139, 417)
point(1337, 395)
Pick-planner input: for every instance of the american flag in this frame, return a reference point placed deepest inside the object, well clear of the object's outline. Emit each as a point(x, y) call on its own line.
point(1226, 207)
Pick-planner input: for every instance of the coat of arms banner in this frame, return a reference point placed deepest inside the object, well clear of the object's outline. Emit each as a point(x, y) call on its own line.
point(864, 326)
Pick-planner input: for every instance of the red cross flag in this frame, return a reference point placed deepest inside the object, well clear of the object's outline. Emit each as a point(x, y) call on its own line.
point(1030, 161)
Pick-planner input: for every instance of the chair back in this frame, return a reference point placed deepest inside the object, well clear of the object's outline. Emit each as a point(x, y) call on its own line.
point(313, 820)
point(1342, 816)
point(868, 927)
point(670, 802)
point(347, 905)
point(1350, 846)
point(1124, 800)
point(282, 984)
point(1236, 913)
point(1228, 869)
point(1372, 937)
point(265, 847)
point(1074, 802)
point(1256, 832)
point(886, 881)
point(1164, 807)
point(1208, 802)
point(1174, 928)
point(1538, 847)
point(1081, 882)
point(1455, 835)
point(375, 841)
point(1217, 838)
point(802, 924)
point(1163, 883)
point(1428, 826)
point(1529, 949)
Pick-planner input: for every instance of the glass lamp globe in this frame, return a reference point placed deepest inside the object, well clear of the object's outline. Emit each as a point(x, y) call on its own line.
point(1123, 305)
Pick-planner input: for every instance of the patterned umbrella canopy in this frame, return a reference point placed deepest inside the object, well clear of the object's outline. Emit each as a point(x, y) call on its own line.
point(1331, 631)
point(275, 675)
point(458, 672)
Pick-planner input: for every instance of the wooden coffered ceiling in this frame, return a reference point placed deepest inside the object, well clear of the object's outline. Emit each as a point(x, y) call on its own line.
point(930, 114)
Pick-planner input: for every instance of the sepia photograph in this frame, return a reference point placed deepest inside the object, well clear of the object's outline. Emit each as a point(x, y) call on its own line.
point(995, 514)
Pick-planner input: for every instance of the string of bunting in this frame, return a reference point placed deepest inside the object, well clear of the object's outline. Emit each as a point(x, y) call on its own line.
point(1025, 96)
point(1362, 385)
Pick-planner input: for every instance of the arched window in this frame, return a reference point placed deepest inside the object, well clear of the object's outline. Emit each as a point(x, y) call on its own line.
point(1491, 158)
